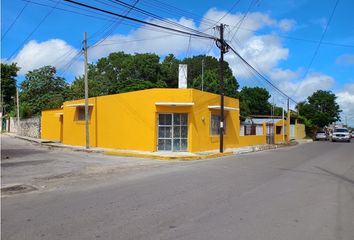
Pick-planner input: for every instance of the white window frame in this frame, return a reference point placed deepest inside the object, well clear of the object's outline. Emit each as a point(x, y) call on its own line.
point(172, 131)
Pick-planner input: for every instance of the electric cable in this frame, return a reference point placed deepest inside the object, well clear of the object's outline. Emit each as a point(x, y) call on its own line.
point(15, 20)
point(258, 73)
point(149, 14)
point(35, 29)
point(318, 45)
point(115, 25)
point(227, 13)
point(238, 25)
point(112, 19)
point(141, 21)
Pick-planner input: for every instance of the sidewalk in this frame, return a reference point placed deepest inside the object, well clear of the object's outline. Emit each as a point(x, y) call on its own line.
point(158, 155)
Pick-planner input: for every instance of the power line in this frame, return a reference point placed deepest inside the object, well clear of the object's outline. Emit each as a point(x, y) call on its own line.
point(108, 19)
point(115, 25)
point(318, 45)
point(238, 25)
point(259, 74)
point(171, 9)
point(15, 20)
point(183, 32)
point(104, 18)
point(67, 66)
point(35, 29)
point(149, 14)
point(136, 40)
point(228, 12)
point(255, 64)
point(141, 21)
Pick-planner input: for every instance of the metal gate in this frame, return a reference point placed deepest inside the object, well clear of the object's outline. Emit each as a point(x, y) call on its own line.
point(270, 133)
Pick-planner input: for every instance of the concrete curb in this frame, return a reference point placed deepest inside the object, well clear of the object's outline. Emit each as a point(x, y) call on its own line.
point(301, 141)
point(55, 144)
point(198, 156)
point(73, 148)
point(159, 157)
point(35, 140)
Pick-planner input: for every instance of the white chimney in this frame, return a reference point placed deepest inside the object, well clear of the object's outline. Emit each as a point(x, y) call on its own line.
point(182, 76)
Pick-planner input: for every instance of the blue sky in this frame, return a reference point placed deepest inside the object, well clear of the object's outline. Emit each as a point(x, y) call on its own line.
point(279, 38)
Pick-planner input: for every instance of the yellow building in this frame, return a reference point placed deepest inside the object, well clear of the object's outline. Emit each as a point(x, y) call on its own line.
point(149, 120)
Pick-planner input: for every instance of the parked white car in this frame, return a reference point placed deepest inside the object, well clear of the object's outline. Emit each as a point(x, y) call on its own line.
point(320, 135)
point(340, 134)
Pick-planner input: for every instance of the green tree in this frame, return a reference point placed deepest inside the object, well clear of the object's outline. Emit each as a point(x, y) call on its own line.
point(8, 85)
point(254, 101)
point(321, 108)
point(211, 75)
point(169, 71)
point(120, 72)
point(43, 89)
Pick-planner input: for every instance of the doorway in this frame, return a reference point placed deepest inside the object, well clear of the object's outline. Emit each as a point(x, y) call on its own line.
point(172, 132)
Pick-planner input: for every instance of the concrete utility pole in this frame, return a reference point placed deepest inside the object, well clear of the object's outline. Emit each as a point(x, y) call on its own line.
point(223, 49)
point(288, 120)
point(18, 111)
point(203, 75)
point(86, 95)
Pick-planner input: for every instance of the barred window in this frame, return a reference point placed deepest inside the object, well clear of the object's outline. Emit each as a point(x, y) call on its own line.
point(250, 130)
point(215, 124)
point(80, 114)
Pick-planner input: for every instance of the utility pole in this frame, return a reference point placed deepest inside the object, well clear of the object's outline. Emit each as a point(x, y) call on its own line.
point(18, 111)
point(288, 102)
point(283, 118)
point(223, 49)
point(202, 74)
point(288, 120)
point(86, 94)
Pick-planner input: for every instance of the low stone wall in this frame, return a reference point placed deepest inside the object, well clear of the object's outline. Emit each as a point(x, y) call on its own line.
point(29, 127)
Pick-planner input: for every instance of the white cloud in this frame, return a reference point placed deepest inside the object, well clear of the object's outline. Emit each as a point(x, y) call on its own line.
point(55, 52)
point(286, 24)
point(345, 59)
point(144, 40)
point(280, 75)
point(300, 90)
point(322, 22)
point(263, 51)
point(345, 99)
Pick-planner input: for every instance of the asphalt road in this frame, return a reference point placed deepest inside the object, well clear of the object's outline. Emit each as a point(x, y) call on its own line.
point(302, 192)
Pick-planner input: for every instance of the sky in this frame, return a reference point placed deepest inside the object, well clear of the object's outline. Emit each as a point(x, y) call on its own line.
point(300, 45)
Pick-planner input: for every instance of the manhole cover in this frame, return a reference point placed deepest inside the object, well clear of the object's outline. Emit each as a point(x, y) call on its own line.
point(20, 188)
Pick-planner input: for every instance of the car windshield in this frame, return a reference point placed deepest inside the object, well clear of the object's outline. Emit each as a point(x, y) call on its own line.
point(341, 130)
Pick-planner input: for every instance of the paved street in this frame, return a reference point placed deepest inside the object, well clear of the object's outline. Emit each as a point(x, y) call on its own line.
point(301, 192)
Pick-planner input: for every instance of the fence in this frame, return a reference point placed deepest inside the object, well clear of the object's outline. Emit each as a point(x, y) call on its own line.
point(29, 127)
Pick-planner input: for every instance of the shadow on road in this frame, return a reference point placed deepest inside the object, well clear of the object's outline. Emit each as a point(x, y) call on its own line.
point(22, 152)
point(24, 163)
point(344, 178)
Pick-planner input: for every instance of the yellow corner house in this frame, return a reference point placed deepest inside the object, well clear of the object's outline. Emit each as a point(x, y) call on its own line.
point(149, 120)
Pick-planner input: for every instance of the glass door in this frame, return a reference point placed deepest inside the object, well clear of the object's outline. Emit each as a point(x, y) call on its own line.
point(172, 132)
